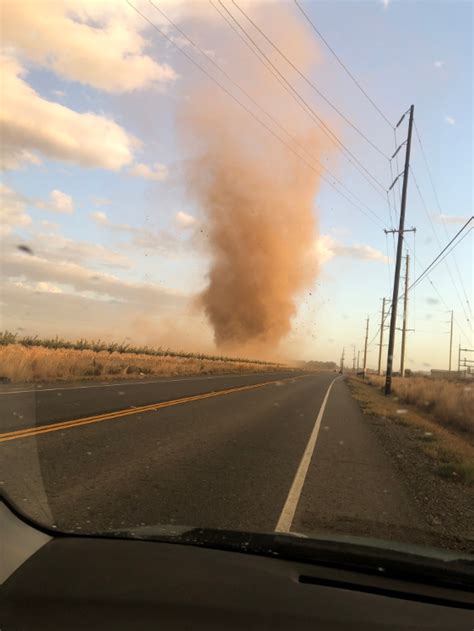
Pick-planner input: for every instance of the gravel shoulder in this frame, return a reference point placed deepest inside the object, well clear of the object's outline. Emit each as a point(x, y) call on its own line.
point(434, 464)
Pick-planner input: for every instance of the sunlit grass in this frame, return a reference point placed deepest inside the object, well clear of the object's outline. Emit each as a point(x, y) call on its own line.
point(35, 359)
point(449, 447)
point(450, 403)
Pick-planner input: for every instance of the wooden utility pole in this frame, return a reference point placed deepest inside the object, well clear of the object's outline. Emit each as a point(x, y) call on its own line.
point(365, 344)
point(398, 263)
point(404, 326)
point(451, 340)
point(358, 361)
point(382, 324)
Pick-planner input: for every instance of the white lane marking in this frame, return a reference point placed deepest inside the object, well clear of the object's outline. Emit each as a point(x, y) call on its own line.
point(138, 383)
point(289, 509)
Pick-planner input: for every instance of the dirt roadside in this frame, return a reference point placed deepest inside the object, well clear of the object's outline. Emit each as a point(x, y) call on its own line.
point(435, 465)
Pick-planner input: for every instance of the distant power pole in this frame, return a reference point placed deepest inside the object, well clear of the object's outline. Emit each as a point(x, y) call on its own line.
point(365, 344)
point(382, 324)
point(398, 263)
point(358, 361)
point(459, 358)
point(404, 329)
point(342, 359)
point(353, 359)
point(451, 340)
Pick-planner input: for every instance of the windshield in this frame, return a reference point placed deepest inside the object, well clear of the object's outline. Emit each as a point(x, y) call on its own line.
point(237, 268)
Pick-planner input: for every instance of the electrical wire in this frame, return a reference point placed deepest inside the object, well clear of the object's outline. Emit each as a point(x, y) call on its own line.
point(309, 110)
point(425, 159)
point(246, 109)
point(438, 260)
point(425, 208)
point(310, 83)
point(430, 268)
point(274, 121)
point(343, 65)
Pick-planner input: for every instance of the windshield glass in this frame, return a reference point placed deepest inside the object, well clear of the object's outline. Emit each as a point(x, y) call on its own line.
point(237, 268)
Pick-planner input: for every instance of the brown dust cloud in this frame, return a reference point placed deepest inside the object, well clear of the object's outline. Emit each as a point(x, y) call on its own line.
point(255, 195)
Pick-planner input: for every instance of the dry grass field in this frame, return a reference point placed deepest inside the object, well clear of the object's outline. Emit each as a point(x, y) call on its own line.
point(449, 403)
point(449, 446)
point(20, 363)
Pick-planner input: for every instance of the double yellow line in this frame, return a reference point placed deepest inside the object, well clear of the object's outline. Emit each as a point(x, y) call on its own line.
point(110, 416)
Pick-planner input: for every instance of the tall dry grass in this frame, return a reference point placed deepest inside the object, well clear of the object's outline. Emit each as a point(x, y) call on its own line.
point(450, 403)
point(28, 364)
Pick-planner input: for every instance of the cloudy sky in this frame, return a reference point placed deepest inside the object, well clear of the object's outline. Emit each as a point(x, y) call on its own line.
point(93, 185)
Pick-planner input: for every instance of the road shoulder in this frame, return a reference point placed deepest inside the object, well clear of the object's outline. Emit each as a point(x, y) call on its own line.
point(423, 454)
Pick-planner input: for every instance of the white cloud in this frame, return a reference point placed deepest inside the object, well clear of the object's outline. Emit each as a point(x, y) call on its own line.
point(96, 43)
point(438, 64)
point(58, 249)
point(184, 220)
point(59, 93)
point(70, 276)
point(452, 219)
point(12, 213)
point(31, 123)
point(327, 248)
point(62, 249)
point(49, 225)
point(450, 120)
point(162, 243)
point(324, 248)
point(101, 201)
point(157, 171)
point(48, 288)
point(59, 202)
point(100, 218)
point(16, 158)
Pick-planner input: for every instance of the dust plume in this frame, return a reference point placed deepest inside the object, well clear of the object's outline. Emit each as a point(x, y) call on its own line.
point(255, 194)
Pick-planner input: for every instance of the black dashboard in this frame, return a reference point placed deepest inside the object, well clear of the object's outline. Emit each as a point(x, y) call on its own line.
point(70, 583)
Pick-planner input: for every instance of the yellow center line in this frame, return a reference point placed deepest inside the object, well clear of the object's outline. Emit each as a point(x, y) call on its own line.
point(109, 416)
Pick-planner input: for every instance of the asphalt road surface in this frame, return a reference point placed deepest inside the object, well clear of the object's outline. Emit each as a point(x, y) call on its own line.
point(260, 452)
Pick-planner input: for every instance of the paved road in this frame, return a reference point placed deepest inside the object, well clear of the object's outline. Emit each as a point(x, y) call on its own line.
point(250, 452)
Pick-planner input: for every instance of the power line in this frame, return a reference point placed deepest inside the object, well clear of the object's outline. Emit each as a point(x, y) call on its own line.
point(311, 83)
point(440, 296)
point(371, 101)
point(283, 129)
point(443, 251)
point(425, 159)
point(307, 108)
point(429, 269)
point(438, 260)
point(425, 208)
point(246, 109)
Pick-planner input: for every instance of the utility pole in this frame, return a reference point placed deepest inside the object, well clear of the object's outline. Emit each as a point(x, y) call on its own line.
point(342, 359)
point(358, 361)
point(396, 281)
point(379, 369)
point(404, 329)
point(451, 340)
point(353, 359)
point(365, 344)
point(459, 359)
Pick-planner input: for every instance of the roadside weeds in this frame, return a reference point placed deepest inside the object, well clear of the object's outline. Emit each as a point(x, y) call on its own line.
point(451, 452)
point(37, 364)
point(435, 464)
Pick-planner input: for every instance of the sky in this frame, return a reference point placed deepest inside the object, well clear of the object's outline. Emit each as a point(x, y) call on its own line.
point(95, 171)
